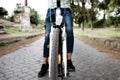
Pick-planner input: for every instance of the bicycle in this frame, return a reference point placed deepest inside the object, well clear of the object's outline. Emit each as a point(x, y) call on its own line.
point(58, 53)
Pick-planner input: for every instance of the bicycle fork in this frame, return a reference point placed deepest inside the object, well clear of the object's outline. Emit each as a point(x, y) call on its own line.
point(64, 49)
point(62, 56)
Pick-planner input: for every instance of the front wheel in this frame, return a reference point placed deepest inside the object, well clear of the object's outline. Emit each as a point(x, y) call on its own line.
point(53, 61)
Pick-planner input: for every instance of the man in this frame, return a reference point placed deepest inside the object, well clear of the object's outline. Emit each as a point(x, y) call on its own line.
point(68, 20)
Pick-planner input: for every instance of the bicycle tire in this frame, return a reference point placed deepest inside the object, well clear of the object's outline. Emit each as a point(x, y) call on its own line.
point(54, 55)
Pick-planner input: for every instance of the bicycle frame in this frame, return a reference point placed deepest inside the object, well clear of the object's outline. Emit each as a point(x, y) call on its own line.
point(62, 32)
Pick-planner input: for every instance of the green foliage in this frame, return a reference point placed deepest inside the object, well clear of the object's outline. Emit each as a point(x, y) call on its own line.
point(11, 18)
point(91, 15)
point(3, 12)
point(34, 18)
point(77, 11)
point(117, 11)
point(99, 23)
point(113, 21)
point(81, 13)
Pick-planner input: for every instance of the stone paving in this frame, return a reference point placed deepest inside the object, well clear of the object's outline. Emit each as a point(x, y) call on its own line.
point(25, 63)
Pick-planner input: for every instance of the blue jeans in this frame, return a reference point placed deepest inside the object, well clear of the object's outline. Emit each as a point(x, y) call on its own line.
point(68, 20)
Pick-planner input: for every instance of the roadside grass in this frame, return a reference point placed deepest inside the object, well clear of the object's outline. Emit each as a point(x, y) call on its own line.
point(100, 32)
point(13, 31)
point(4, 46)
point(17, 32)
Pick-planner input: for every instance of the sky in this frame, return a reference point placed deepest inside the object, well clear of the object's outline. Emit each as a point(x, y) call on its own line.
point(39, 5)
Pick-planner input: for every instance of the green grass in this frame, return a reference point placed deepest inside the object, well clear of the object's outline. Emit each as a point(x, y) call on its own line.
point(3, 46)
point(13, 31)
point(101, 32)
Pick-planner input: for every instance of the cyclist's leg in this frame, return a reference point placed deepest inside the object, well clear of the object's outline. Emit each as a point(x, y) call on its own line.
point(45, 65)
point(69, 30)
point(47, 34)
point(70, 38)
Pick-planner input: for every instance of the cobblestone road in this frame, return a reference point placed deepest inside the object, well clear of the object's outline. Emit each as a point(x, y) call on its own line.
point(25, 63)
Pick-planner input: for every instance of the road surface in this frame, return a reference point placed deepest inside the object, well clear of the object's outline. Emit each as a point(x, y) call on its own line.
point(25, 63)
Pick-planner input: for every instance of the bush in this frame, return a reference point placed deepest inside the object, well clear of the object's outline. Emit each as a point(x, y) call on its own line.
point(113, 21)
point(99, 23)
point(110, 20)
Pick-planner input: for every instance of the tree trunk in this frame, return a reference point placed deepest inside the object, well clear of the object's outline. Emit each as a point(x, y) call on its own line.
point(91, 25)
point(78, 25)
point(82, 26)
point(104, 16)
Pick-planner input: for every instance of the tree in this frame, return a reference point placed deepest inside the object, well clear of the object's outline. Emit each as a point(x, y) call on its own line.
point(34, 18)
point(79, 12)
point(104, 6)
point(11, 18)
point(111, 8)
point(82, 14)
point(115, 8)
point(92, 11)
point(3, 12)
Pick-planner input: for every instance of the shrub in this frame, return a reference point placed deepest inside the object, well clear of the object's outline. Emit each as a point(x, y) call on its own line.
point(99, 23)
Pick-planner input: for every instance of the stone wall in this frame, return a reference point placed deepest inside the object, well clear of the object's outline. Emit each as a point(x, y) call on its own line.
point(111, 43)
